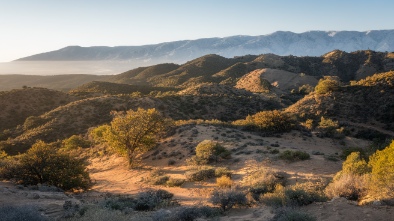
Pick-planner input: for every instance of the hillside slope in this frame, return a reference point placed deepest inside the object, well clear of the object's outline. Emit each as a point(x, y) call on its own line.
point(16, 105)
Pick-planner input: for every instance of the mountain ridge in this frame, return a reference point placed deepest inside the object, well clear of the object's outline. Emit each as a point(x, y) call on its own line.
point(312, 43)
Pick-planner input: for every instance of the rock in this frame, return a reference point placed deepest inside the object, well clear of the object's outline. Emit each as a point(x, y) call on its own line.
point(377, 203)
point(33, 196)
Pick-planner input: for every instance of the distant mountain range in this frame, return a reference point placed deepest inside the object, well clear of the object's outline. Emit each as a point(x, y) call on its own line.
point(312, 43)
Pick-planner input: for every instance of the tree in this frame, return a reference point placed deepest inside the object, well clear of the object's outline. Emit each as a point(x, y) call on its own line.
point(135, 132)
point(327, 84)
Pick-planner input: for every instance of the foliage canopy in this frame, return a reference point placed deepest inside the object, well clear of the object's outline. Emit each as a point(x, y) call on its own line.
point(135, 132)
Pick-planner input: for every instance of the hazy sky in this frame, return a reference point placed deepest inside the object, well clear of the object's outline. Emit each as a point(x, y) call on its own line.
point(28, 27)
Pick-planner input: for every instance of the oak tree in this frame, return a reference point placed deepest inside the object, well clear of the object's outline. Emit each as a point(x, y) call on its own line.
point(135, 132)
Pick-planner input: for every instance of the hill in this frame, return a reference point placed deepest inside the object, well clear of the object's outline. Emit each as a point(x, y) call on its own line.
point(18, 104)
point(366, 102)
point(262, 80)
point(312, 43)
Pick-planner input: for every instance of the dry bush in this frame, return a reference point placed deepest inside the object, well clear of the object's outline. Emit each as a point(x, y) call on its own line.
point(263, 181)
point(349, 186)
point(224, 182)
point(172, 182)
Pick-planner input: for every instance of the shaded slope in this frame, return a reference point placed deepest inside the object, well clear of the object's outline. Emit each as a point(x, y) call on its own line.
point(99, 88)
point(369, 101)
point(18, 104)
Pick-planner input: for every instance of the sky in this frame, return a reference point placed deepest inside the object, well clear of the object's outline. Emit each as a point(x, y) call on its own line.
point(29, 27)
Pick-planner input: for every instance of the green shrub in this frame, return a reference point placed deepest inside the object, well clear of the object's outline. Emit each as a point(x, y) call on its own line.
point(200, 174)
point(354, 164)
point(208, 151)
point(144, 201)
point(74, 142)
point(97, 134)
point(327, 84)
point(290, 155)
point(301, 197)
point(296, 195)
point(226, 199)
point(44, 164)
point(268, 121)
